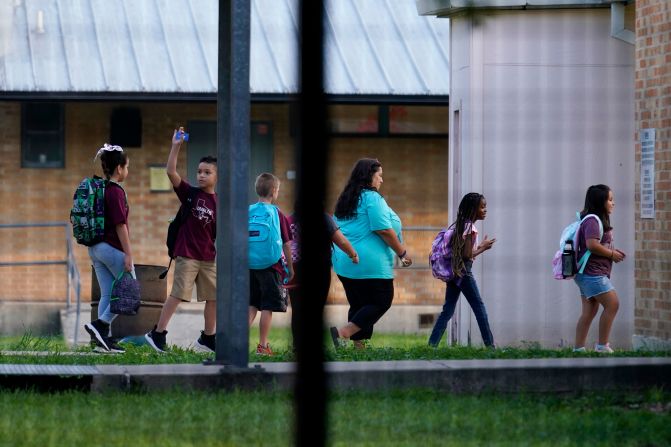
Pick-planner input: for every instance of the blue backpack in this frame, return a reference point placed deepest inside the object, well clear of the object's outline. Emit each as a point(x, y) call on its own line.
point(440, 258)
point(570, 233)
point(265, 240)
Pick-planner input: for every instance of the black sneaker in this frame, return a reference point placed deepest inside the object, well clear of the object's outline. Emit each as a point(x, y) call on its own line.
point(206, 342)
point(96, 329)
point(156, 339)
point(114, 346)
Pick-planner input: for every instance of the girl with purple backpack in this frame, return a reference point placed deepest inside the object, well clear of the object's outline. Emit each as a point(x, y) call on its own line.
point(464, 247)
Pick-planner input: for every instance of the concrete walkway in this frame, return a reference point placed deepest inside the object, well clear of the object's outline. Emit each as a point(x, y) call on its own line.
point(566, 375)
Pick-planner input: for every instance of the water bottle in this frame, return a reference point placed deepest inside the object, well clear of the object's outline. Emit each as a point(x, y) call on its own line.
point(568, 264)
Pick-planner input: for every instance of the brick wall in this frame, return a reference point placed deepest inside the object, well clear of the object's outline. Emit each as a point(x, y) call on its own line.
point(653, 110)
point(415, 186)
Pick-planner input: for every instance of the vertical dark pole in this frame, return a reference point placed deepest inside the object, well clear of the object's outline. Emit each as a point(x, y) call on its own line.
point(232, 169)
point(314, 269)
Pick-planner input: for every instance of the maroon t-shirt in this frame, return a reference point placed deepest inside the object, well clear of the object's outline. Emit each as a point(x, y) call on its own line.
point(596, 265)
point(116, 213)
point(196, 236)
point(285, 231)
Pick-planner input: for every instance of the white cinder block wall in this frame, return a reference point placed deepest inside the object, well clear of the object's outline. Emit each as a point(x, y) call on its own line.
point(545, 105)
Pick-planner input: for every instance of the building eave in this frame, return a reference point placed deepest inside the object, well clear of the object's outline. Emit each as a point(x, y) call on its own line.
point(448, 8)
point(212, 97)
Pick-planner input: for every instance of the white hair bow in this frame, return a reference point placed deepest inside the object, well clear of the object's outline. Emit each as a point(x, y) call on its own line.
point(107, 147)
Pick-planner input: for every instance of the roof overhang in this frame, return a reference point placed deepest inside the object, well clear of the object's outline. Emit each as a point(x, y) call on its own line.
point(448, 8)
point(259, 98)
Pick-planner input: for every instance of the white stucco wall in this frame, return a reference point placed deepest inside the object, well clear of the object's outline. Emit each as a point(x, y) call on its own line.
point(546, 109)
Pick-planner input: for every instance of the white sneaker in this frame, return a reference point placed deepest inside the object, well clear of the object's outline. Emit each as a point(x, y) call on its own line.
point(603, 349)
point(580, 349)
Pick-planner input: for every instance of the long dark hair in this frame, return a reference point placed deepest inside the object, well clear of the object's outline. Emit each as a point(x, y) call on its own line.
point(109, 160)
point(595, 203)
point(468, 211)
point(360, 179)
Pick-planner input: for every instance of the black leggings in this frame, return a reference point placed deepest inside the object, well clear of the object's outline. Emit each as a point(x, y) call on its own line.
point(368, 299)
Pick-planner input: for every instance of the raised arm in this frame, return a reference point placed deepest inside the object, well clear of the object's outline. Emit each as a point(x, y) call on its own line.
point(171, 167)
point(470, 253)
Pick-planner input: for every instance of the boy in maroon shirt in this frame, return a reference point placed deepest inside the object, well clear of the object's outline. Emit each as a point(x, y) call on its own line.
point(194, 250)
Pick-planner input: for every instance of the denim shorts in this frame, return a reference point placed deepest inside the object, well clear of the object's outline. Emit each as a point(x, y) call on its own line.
point(591, 286)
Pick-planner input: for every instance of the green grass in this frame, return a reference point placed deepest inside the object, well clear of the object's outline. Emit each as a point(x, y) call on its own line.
point(30, 342)
point(399, 418)
point(381, 347)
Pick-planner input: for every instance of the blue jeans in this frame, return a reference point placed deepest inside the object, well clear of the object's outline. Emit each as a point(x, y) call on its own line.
point(108, 262)
point(454, 288)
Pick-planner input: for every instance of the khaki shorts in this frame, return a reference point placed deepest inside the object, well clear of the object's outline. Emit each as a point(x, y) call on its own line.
point(189, 272)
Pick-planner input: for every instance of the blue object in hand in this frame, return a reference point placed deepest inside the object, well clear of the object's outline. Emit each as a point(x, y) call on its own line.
point(182, 133)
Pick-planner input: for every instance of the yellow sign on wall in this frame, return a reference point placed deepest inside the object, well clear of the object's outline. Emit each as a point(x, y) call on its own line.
point(158, 179)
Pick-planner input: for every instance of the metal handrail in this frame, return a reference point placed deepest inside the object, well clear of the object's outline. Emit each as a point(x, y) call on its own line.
point(417, 228)
point(73, 278)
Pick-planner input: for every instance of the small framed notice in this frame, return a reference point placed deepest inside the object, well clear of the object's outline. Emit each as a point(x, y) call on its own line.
point(158, 179)
point(647, 173)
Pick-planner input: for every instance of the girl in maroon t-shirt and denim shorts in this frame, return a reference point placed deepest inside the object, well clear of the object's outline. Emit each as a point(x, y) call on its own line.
point(594, 283)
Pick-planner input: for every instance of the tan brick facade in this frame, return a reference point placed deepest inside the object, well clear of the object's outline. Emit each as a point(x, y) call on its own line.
point(415, 186)
point(653, 110)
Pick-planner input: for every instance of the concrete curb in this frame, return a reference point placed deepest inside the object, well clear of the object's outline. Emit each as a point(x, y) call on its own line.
point(569, 375)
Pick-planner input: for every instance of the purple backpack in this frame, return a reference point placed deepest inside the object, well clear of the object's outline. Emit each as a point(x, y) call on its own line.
point(125, 299)
point(440, 258)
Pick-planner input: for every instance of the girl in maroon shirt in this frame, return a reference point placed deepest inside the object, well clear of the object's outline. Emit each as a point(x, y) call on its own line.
point(113, 255)
point(594, 283)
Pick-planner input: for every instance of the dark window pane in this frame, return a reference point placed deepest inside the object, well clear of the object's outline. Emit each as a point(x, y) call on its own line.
point(43, 117)
point(43, 150)
point(42, 144)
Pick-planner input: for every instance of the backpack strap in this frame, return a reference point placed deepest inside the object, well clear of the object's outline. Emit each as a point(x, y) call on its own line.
point(582, 263)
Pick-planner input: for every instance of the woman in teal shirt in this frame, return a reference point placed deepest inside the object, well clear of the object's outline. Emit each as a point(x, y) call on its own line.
point(374, 229)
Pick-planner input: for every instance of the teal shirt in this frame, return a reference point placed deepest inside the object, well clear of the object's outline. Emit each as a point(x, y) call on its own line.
point(376, 259)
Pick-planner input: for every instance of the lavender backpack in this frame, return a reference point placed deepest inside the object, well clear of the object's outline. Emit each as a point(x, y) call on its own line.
point(440, 258)
point(125, 299)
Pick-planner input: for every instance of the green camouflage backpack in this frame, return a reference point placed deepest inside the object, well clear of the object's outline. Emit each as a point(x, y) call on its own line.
point(88, 211)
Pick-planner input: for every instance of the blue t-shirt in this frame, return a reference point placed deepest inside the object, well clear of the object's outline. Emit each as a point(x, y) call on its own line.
point(376, 259)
